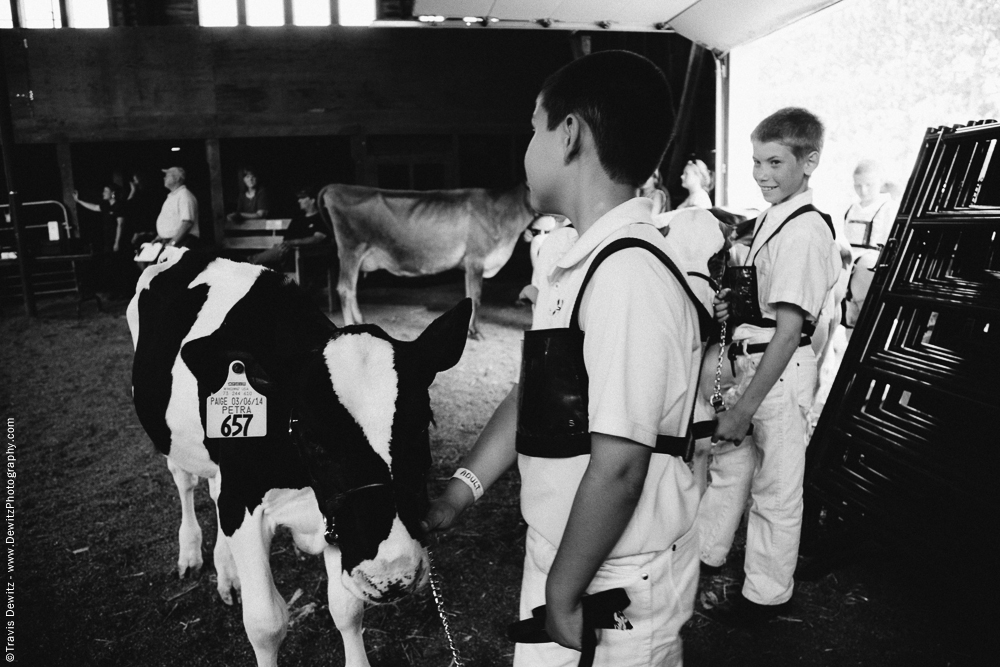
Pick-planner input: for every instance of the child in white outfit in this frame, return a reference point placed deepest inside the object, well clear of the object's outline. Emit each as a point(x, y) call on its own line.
point(796, 265)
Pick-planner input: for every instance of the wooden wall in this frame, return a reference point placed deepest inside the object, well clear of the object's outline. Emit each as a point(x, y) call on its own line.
point(103, 100)
point(176, 82)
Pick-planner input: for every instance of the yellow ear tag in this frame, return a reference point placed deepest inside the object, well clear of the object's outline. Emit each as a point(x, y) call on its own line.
point(237, 410)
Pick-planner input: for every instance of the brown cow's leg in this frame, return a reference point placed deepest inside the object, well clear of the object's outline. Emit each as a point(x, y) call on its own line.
point(474, 290)
point(189, 535)
point(347, 285)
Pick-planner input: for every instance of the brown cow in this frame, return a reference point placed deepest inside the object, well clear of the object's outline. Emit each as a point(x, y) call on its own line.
point(411, 233)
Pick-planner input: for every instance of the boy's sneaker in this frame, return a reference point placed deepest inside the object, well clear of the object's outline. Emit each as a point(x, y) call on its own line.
point(742, 613)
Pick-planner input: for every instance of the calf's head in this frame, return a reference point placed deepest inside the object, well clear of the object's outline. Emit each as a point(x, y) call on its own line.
point(364, 414)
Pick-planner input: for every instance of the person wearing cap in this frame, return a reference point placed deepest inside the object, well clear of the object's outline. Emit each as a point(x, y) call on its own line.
point(306, 229)
point(177, 223)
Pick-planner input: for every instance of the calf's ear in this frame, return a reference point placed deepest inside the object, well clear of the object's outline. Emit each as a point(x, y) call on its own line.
point(442, 343)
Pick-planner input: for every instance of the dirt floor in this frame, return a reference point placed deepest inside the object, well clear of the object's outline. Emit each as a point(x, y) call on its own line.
point(97, 516)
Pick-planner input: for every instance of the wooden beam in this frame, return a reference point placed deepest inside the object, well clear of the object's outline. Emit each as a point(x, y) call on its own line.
point(64, 156)
point(214, 157)
point(7, 150)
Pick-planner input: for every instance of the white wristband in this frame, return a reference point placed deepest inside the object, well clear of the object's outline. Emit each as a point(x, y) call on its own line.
point(470, 480)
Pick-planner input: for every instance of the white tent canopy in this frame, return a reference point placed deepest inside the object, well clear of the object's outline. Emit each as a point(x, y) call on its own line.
point(719, 25)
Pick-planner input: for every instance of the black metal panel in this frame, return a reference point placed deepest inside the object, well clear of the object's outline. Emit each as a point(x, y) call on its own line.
point(908, 442)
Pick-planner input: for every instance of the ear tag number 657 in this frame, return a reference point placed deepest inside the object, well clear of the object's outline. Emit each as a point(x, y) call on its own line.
point(237, 410)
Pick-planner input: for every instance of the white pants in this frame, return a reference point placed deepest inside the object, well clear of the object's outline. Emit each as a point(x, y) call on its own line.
point(661, 587)
point(768, 468)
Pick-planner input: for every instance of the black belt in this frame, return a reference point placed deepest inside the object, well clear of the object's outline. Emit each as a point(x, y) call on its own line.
point(681, 446)
point(736, 350)
point(808, 328)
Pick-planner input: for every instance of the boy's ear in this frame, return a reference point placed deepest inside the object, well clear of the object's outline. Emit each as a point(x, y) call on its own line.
point(810, 163)
point(572, 133)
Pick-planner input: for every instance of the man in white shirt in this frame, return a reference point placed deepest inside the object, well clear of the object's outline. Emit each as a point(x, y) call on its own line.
point(177, 224)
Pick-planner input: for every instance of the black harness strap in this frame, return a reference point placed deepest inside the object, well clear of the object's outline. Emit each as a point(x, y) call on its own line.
point(674, 445)
point(869, 224)
point(808, 328)
point(705, 319)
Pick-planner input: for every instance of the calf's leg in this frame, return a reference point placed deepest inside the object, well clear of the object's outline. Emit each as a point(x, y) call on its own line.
point(225, 567)
point(347, 611)
point(265, 614)
point(189, 534)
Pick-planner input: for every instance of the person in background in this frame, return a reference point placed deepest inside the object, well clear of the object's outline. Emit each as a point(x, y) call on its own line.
point(537, 233)
point(106, 236)
point(114, 270)
point(697, 180)
point(307, 229)
point(253, 202)
point(141, 209)
point(177, 224)
point(653, 189)
point(868, 221)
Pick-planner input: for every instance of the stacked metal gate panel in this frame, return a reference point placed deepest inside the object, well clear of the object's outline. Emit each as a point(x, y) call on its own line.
point(908, 442)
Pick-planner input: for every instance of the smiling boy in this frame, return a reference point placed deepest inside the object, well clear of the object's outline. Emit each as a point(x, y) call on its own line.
point(796, 263)
point(621, 514)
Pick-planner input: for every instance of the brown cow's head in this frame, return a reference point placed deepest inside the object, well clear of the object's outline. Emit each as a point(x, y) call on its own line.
point(364, 414)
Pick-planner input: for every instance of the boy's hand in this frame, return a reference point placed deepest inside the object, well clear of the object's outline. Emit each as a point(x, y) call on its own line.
point(721, 301)
point(732, 426)
point(565, 624)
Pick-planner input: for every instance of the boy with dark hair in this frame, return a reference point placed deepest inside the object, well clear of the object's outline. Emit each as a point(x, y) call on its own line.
point(796, 263)
point(618, 511)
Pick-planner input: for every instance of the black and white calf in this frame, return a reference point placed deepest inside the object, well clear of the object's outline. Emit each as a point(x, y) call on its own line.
point(238, 378)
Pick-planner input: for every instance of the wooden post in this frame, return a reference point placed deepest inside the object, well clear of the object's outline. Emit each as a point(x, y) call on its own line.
point(289, 14)
point(722, 130)
point(679, 138)
point(334, 12)
point(15, 13)
point(64, 156)
point(359, 153)
point(7, 148)
point(241, 12)
point(214, 157)
point(63, 14)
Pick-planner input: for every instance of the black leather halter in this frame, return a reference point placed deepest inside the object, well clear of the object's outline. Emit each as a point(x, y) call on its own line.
point(329, 505)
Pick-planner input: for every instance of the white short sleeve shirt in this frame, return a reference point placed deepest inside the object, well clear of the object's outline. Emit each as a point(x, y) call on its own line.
point(799, 265)
point(179, 205)
point(642, 351)
point(881, 213)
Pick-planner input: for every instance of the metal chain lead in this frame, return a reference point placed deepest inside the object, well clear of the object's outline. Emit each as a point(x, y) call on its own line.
point(717, 401)
point(456, 660)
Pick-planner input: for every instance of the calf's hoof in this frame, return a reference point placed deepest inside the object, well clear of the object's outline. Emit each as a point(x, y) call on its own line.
point(227, 590)
point(190, 566)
